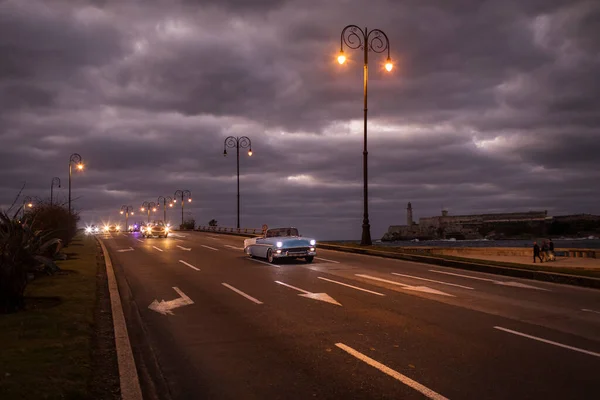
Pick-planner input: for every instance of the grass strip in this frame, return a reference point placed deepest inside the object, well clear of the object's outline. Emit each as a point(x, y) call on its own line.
point(46, 349)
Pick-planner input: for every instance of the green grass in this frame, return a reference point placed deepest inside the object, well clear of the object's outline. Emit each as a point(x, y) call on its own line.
point(46, 349)
point(396, 250)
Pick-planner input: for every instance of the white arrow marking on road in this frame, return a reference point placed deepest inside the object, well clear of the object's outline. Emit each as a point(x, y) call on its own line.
point(316, 296)
point(353, 287)
point(157, 248)
point(208, 247)
point(184, 248)
point(423, 289)
point(495, 282)
point(233, 247)
point(166, 307)
point(124, 250)
point(238, 291)
point(431, 280)
point(591, 353)
point(588, 310)
point(393, 373)
point(189, 265)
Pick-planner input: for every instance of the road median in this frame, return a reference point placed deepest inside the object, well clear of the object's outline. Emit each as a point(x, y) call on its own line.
point(575, 277)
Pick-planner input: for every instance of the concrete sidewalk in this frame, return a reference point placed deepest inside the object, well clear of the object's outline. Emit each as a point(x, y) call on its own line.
point(592, 264)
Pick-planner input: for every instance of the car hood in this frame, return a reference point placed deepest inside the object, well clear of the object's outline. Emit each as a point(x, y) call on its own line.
point(287, 241)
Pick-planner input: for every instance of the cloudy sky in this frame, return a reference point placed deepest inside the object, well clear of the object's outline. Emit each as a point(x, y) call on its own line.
point(492, 106)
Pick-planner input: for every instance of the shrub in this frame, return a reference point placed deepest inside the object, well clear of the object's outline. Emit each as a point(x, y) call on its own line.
point(23, 251)
point(212, 222)
point(188, 224)
point(54, 218)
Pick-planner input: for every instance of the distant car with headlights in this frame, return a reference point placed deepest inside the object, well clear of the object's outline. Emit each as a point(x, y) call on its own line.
point(112, 228)
point(279, 243)
point(92, 229)
point(155, 229)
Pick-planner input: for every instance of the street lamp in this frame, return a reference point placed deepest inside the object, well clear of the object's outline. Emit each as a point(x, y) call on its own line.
point(55, 181)
point(126, 210)
point(164, 200)
point(182, 194)
point(148, 206)
point(237, 142)
point(376, 41)
point(27, 203)
point(74, 159)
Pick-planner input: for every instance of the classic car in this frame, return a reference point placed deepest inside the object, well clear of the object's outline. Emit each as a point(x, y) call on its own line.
point(281, 243)
point(112, 228)
point(155, 229)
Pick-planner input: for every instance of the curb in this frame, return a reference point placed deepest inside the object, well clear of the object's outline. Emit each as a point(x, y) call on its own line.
point(554, 277)
point(128, 377)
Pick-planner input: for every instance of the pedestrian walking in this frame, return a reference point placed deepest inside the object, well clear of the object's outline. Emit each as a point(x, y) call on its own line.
point(545, 251)
point(551, 250)
point(536, 252)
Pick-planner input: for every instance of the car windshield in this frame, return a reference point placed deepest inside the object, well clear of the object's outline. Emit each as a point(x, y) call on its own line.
point(158, 223)
point(282, 232)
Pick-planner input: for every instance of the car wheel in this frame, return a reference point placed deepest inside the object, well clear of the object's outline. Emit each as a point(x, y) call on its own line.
point(309, 259)
point(270, 257)
point(166, 235)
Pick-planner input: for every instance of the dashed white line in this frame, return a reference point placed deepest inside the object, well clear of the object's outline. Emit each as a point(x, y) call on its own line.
point(242, 293)
point(264, 262)
point(393, 373)
point(214, 237)
point(189, 265)
point(233, 247)
point(208, 247)
point(353, 287)
point(431, 280)
point(591, 353)
point(588, 310)
point(324, 259)
point(157, 248)
point(140, 240)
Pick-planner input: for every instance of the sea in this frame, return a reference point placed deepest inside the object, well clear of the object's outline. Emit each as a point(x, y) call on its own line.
point(575, 243)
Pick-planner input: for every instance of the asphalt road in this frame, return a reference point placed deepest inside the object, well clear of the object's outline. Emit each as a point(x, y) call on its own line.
point(346, 327)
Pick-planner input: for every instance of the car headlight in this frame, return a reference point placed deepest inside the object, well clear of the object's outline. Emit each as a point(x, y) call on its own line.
point(106, 228)
point(88, 230)
point(166, 229)
point(313, 242)
point(279, 244)
point(118, 228)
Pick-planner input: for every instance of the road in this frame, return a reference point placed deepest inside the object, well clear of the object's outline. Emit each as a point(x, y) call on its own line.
point(208, 322)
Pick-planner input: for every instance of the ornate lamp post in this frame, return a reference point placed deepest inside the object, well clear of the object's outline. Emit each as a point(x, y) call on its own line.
point(183, 194)
point(237, 142)
point(74, 159)
point(164, 201)
point(126, 210)
point(27, 203)
point(55, 181)
point(148, 206)
point(377, 41)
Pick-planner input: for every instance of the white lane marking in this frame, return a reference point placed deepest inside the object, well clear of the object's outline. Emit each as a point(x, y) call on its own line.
point(214, 237)
point(157, 248)
point(591, 353)
point(184, 248)
point(264, 262)
point(423, 289)
point(189, 265)
point(242, 293)
point(324, 259)
point(140, 240)
point(293, 287)
point(495, 282)
point(353, 287)
point(233, 247)
point(393, 373)
point(588, 310)
point(124, 250)
point(208, 247)
point(431, 280)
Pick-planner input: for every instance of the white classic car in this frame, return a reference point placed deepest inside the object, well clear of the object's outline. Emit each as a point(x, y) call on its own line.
point(281, 243)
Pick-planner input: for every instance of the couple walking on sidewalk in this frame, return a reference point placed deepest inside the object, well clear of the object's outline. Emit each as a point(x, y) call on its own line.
point(546, 253)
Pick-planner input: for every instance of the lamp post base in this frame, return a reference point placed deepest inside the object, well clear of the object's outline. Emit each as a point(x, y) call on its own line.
point(366, 235)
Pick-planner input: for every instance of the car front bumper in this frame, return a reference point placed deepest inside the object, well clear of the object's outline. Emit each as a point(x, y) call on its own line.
point(283, 253)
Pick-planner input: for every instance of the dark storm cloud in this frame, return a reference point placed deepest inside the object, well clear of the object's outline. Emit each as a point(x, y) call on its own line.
point(492, 106)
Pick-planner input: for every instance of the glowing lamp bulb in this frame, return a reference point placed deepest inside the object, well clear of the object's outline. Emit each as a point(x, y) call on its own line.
point(154, 209)
point(132, 213)
point(341, 58)
point(29, 205)
point(142, 209)
point(389, 65)
point(80, 166)
point(189, 200)
point(170, 204)
point(250, 152)
point(121, 212)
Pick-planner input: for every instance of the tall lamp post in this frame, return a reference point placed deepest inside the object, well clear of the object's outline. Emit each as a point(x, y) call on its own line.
point(74, 159)
point(377, 41)
point(183, 194)
point(55, 181)
point(237, 142)
point(126, 210)
point(148, 206)
point(27, 203)
point(164, 201)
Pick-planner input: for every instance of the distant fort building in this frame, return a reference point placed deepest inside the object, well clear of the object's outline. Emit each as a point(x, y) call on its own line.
point(458, 226)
